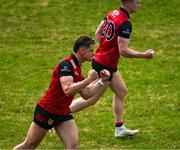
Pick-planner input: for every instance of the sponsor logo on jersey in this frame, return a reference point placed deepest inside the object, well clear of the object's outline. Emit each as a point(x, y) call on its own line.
point(127, 31)
point(65, 69)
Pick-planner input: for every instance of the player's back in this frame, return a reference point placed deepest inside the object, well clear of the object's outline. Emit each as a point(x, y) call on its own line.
point(107, 53)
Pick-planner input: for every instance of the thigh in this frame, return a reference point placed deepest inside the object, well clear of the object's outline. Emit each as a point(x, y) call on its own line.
point(117, 83)
point(68, 132)
point(35, 134)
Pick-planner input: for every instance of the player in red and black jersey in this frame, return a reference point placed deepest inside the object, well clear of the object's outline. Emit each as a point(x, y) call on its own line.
point(113, 34)
point(53, 110)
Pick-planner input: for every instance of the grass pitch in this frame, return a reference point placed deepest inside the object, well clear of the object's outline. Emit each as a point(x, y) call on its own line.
point(36, 34)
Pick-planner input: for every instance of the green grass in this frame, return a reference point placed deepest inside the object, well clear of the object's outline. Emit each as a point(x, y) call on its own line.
point(36, 34)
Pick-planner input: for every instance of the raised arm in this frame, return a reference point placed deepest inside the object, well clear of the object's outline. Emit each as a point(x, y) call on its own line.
point(93, 87)
point(96, 93)
point(70, 87)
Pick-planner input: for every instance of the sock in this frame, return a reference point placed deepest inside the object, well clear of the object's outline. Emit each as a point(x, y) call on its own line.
point(119, 123)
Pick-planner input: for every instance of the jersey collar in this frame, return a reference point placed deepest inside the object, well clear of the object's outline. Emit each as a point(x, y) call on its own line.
point(75, 60)
point(124, 10)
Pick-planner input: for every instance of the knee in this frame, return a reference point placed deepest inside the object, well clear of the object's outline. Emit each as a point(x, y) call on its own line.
point(73, 145)
point(31, 144)
point(122, 93)
point(125, 92)
point(26, 145)
point(91, 103)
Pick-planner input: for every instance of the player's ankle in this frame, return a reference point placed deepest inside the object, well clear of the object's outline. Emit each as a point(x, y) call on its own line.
point(119, 124)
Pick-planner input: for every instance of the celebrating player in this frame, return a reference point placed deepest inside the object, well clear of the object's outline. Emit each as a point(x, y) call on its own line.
point(52, 110)
point(113, 34)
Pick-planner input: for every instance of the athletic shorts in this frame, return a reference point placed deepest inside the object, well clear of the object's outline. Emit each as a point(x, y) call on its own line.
point(48, 120)
point(98, 67)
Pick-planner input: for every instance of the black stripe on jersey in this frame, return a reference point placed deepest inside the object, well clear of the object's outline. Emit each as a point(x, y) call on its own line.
point(125, 30)
point(125, 11)
point(65, 68)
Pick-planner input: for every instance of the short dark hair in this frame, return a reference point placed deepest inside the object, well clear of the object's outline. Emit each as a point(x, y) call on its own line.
point(124, 1)
point(82, 41)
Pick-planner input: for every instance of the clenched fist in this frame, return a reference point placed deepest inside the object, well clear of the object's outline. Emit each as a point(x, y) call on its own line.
point(92, 75)
point(149, 53)
point(104, 74)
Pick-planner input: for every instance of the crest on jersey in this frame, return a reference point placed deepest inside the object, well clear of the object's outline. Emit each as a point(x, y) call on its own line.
point(50, 121)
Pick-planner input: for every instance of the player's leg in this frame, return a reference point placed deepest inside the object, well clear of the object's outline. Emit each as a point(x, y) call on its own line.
point(68, 133)
point(120, 90)
point(34, 137)
point(80, 103)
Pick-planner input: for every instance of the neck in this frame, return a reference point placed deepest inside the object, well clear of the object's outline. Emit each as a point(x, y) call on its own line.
point(126, 8)
point(78, 58)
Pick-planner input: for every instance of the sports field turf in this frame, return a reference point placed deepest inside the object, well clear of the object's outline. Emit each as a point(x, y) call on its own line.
point(37, 34)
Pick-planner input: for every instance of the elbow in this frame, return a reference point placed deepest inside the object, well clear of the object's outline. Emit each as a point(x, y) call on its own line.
point(67, 92)
point(98, 36)
point(122, 52)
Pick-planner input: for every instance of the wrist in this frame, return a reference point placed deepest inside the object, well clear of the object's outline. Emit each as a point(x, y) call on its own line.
point(100, 82)
point(88, 81)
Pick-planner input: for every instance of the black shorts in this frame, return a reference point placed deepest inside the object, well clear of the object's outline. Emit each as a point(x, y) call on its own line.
point(48, 120)
point(98, 67)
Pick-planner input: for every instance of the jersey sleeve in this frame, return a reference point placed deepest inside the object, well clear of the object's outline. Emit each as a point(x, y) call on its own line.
point(125, 30)
point(65, 69)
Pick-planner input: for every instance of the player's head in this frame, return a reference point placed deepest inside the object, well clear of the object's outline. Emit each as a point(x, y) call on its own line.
point(131, 5)
point(84, 45)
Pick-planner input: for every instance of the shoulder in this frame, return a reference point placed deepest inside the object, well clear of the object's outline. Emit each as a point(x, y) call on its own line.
point(125, 29)
point(126, 24)
point(65, 68)
point(65, 63)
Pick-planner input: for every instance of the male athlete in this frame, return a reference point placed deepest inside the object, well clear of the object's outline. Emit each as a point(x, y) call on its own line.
point(52, 110)
point(113, 34)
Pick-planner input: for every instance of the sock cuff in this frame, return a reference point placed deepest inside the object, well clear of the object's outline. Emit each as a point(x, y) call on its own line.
point(119, 123)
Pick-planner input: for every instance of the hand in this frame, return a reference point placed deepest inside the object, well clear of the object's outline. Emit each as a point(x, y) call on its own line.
point(149, 53)
point(104, 74)
point(92, 75)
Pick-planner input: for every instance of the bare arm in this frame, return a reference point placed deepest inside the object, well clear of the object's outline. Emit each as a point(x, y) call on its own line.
point(93, 87)
point(130, 53)
point(99, 31)
point(70, 87)
point(81, 103)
